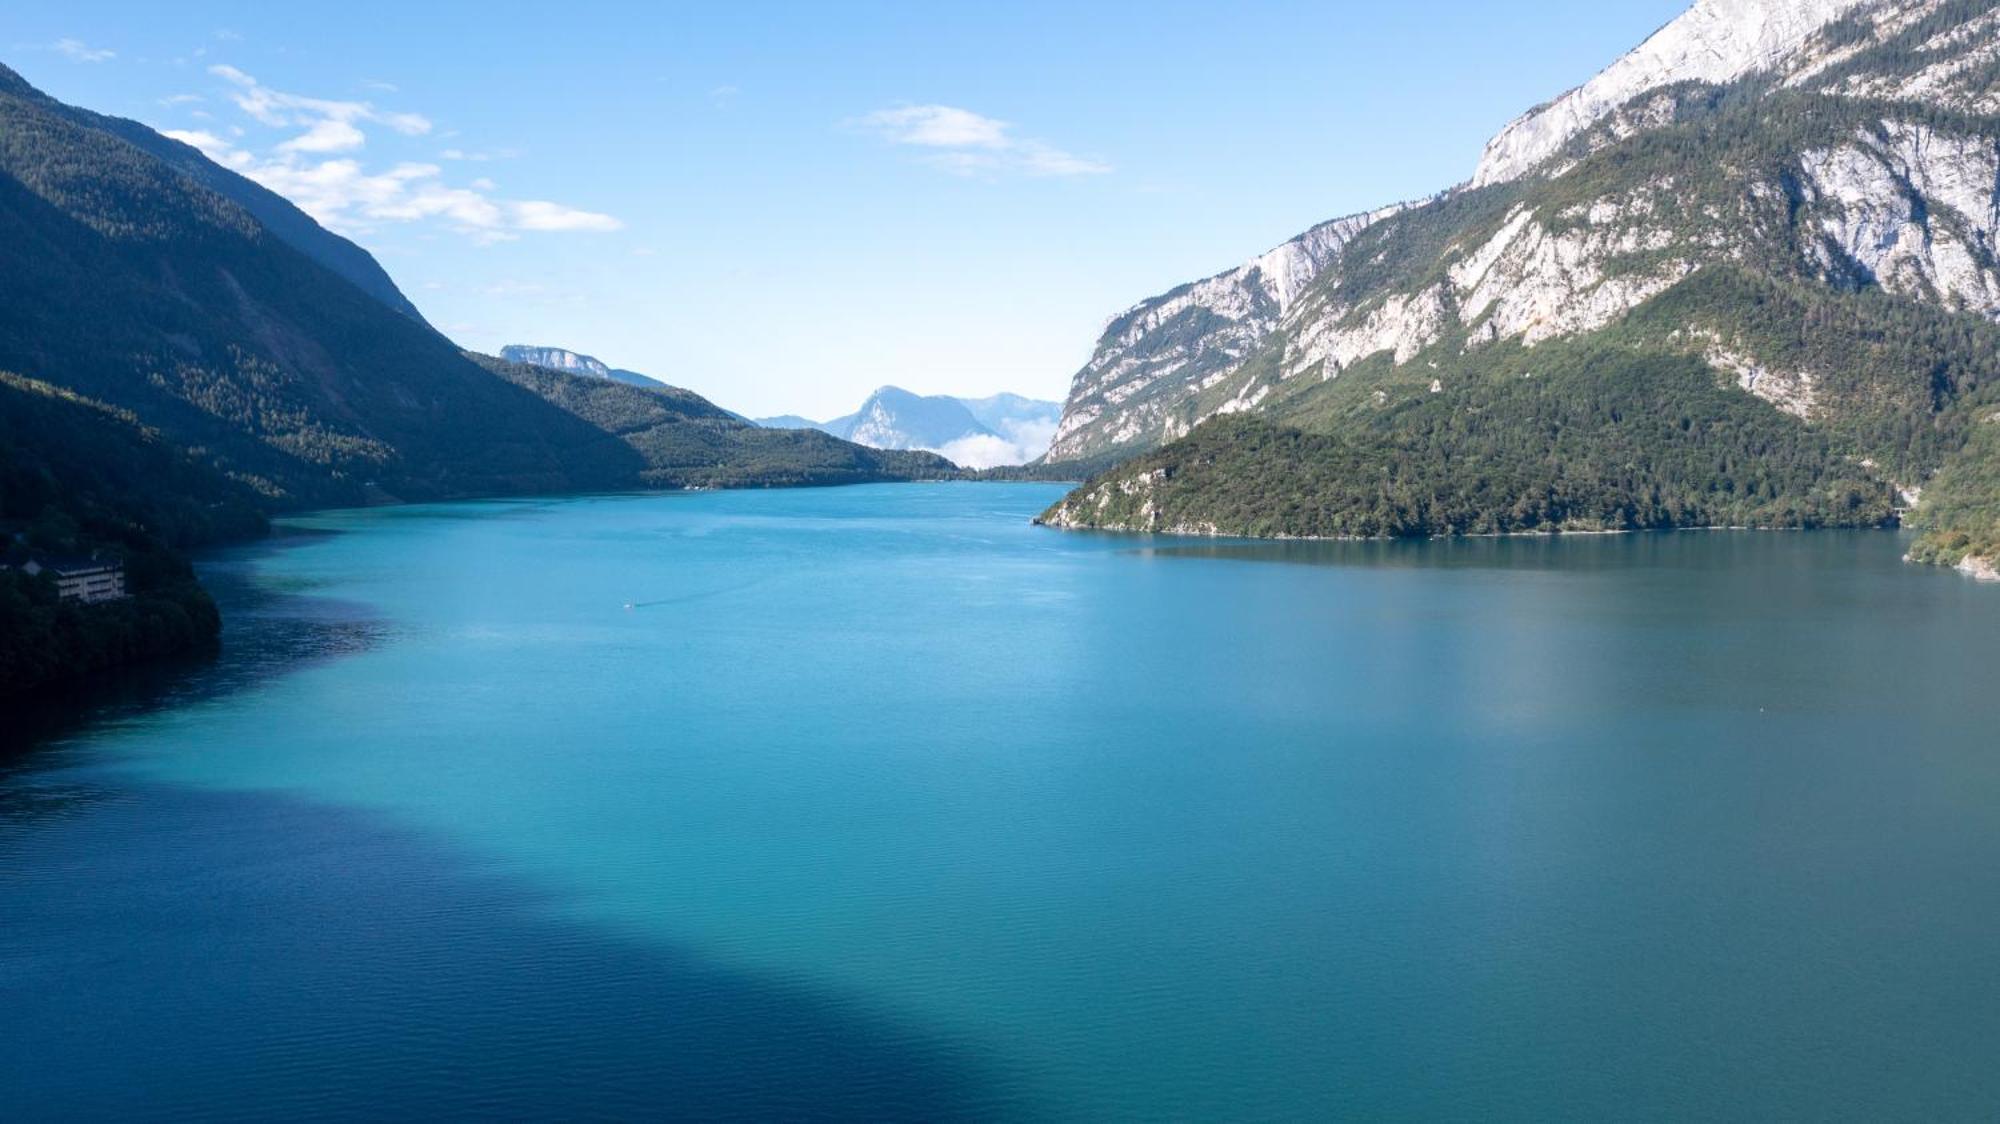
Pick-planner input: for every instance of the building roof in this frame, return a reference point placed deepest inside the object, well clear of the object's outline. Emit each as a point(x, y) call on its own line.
point(70, 567)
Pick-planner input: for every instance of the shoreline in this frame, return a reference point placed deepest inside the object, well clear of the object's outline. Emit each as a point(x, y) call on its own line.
point(44, 718)
point(1982, 570)
point(1185, 532)
point(1978, 569)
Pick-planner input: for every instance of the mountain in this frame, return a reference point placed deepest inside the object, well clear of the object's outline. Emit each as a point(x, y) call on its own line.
point(1716, 42)
point(893, 418)
point(184, 353)
point(132, 276)
point(131, 282)
point(1747, 275)
point(1159, 351)
point(274, 212)
point(686, 441)
point(79, 478)
point(1004, 429)
point(787, 421)
point(561, 359)
point(277, 215)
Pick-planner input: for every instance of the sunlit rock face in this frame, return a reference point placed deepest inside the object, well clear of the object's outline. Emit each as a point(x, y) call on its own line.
point(1716, 41)
point(1156, 354)
point(1893, 197)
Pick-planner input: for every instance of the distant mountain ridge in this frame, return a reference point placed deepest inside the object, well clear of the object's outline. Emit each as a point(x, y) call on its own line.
point(138, 274)
point(575, 363)
point(686, 441)
point(1001, 429)
point(183, 353)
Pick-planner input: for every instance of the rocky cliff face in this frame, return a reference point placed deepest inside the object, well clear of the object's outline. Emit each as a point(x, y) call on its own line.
point(1752, 153)
point(1156, 354)
point(1716, 41)
point(1896, 199)
point(574, 363)
point(555, 359)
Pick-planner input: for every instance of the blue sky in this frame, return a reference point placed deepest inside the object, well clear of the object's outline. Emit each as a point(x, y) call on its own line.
point(783, 206)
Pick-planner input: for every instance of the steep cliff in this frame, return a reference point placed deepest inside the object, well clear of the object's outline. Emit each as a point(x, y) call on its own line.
point(575, 363)
point(1797, 202)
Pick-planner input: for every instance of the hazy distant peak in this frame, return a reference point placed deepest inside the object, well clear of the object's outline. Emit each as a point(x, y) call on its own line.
point(974, 432)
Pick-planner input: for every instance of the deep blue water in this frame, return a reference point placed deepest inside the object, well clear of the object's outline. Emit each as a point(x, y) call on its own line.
point(879, 802)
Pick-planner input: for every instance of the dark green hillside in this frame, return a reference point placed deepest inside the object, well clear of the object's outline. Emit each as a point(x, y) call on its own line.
point(1591, 438)
point(1961, 512)
point(195, 353)
point(80, 478)
point(689, 442)
point(124, 279)
point(277, 214)
point(101, 467)
point(131, 274)
point(1897, 382)
point(1637, 423)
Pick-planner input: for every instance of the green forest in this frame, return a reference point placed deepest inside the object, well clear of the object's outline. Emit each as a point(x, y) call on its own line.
point(193, 355)
point(1595, 440)
point(1629, 426)
point(79, 478)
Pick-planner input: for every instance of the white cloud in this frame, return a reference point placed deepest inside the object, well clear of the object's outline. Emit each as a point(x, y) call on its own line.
point(539, 214)
point(1042, 160)
point(326, 135)
point(282, 110)
point(986, 451)
point(938, 126)
point(479, 157)
point(512, 288)
point(211, 146)
point(172, 100)
point(969, 143)
point(344, 194)
point(77, 51)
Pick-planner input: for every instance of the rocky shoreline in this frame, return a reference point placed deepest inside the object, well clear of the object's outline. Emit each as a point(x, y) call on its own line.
point(1979, 569)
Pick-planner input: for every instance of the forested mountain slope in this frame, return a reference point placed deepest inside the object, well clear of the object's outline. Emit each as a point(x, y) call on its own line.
point(686, 441)
point(129, 281)
point(1774, 297)
point(76, 478)
point(187, 353)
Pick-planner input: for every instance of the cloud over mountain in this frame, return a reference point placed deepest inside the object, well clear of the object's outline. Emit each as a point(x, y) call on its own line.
point(316, 167)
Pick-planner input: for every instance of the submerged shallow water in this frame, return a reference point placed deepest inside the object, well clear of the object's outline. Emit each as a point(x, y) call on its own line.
point(879, 802)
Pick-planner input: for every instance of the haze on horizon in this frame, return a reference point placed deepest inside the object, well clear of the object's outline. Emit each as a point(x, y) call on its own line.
point(785, 207)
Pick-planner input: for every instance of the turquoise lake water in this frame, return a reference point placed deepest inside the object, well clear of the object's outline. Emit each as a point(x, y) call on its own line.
point(881, 803)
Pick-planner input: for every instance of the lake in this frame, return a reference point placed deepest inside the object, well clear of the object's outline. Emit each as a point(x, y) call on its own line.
point(879, 803)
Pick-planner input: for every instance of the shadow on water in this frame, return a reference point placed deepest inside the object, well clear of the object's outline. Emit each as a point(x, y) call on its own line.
point(268, 630)
point(182, 955)
point(167, 953)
